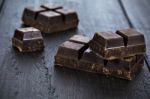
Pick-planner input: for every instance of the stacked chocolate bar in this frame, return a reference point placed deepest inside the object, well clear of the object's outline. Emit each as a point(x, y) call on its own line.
point(50, 18)
point(119, 54)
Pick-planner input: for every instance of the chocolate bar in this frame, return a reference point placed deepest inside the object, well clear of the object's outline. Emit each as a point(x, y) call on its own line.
point(123, 43)
point(75, 54)
point(50, 18)
point(28, 39)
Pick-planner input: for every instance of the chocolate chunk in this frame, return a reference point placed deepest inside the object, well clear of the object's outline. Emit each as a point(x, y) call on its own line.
point(134, 41)
point(71, 49)
point(124, 64)
point(108, 39)
point(68, 14)
point(51, 6)
point(30, 14)
point(49, 18)
point(69, 53)
point(114, 46)
point(108, 45)
point(131, 37)
point(33, 11)
point(80, 39)
point(122, 72)
point(28, 39)
point(91, 62)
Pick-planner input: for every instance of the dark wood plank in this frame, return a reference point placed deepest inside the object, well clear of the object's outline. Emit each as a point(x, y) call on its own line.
point(33, 76)
point(138, 12)
point(22, 76)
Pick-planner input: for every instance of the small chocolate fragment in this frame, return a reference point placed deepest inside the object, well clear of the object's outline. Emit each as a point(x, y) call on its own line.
point(51, 6)
point(28, 39)
point(80, 39)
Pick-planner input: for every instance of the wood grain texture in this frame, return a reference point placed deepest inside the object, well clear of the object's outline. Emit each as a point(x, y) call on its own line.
point(33, 76)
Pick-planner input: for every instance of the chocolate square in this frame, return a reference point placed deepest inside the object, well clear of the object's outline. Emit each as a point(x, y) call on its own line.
point(28, 39)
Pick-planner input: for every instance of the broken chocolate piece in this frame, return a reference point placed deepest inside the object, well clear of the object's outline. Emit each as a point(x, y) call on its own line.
point(120, 70)
point(108, 45)
point(113, 46)
point(71, 50)
point(134, 41)
point(90, 62)
point(50, 18)
point(125, 63)
point(131, 37)
point(28, 39)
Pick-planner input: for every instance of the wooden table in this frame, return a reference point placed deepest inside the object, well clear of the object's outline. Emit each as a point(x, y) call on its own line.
point(33, 76)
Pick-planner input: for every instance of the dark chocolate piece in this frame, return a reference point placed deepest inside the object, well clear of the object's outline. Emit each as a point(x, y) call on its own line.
point(68, 14)
point(51, 6)
point(75, 55)
point(108, 45)
point(122, 72)
point(50, 18)
point(134, 41)
point(30, 14)
point(123, 44)
point(69, 53)
point(125, 63)
point(131, 37)
point(28, 39)
point(90, 62)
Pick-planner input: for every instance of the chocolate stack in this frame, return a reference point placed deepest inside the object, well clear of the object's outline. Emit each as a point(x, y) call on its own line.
point(119, 54)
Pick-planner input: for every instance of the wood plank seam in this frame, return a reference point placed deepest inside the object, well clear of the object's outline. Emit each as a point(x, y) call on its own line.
point(132, 26)
point(1, 5)
point(147, 61)
point(125, 13)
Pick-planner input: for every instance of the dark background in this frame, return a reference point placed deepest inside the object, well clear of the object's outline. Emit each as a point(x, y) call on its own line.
point(33, 76)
